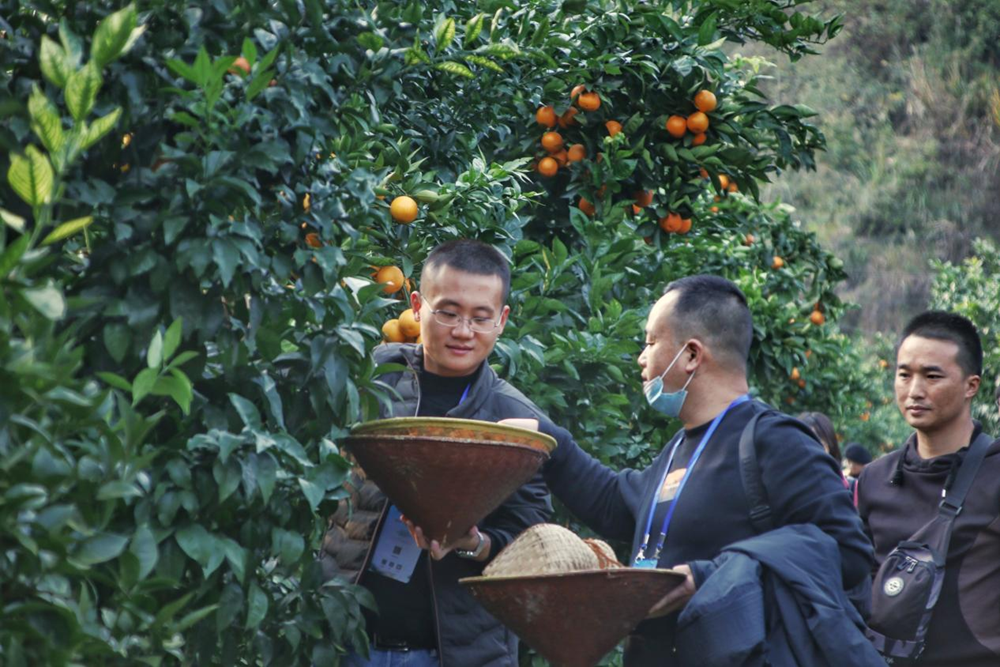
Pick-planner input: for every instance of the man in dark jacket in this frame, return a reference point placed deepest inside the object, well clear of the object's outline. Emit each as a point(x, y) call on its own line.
point(938, 366)
point(423, 611)
point(690, 503)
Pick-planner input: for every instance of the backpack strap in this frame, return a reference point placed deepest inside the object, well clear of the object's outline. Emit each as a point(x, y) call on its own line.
point(753, 483)
point(951, 506)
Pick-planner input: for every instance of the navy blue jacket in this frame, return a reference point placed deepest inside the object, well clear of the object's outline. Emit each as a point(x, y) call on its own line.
point(774, 599)
point(802, 482)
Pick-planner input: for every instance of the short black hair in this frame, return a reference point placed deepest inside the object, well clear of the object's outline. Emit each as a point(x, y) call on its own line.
point(715, 310)
point(470, 256)
point(942, 325)
point(856, 453)
point(821, 425)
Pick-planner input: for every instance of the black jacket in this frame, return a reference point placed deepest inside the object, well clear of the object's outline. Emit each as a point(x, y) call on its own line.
point(468, 635)
point(774, 599)
point(802, 482)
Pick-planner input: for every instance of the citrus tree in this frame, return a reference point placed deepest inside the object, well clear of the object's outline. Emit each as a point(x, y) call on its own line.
point(212, 213)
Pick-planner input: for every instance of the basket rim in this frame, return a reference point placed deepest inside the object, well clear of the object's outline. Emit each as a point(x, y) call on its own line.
point(616, 571)
point(377, 428)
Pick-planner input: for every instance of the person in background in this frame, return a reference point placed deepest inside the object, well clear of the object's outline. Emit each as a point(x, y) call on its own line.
point(821, 425)
point(856, 457)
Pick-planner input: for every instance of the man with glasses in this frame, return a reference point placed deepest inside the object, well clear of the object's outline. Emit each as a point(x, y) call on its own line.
point(461, 308)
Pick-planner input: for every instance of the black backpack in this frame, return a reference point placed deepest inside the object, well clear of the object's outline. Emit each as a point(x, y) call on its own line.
point(908, 583)
point(760, 511)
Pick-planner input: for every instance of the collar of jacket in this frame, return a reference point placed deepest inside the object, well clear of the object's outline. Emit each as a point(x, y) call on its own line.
point(408, 384)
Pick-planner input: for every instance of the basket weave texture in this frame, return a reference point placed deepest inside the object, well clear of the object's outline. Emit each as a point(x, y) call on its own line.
point(547, 548)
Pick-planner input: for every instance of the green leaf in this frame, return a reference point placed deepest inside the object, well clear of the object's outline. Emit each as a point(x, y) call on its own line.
point(190, 619)
point(287, 545)
point(261, 80)
point(118, 489)
point(267, 473)
point(452, 67)
point(54, 62)
point(444, 34)
point(30, 175)
point(144, 548)
point(154, 353)
point(370, 40)
point(67, 229)
point(71, 42)
point(45, 120)
point(100, 548)
point(247, 411)
point(177, 387)
point(47, 300)
point(707, 31)
point(227, 475)
point(95, 131)
point(227, 258)
point(484, 62)
point(256, 606)
point(143, 384)
point(172, 339)
point(117, 338)
point(116, 381)
point(12, 255)
point(473, 28)
point(81, 91)
point(13, 221)
point(112, 35)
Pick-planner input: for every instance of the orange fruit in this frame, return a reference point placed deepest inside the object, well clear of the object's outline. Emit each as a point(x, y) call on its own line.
point(705, 101)
point(403, 210)
point(589, 101)
point(577, 91)
point(702, 172)
point(586, 206)
point(392, 332)
point(644, 198)
point(697, 122)
point(600, 158)
point(732, 187)
point(714, 209)
point(748, 239)
point(577, 152)
point(614, 127)
point(548, 167)
point(685, 226)
point(408, 324)
point(802, 384)
point(723, 182)
point(777, 263)
point(809, 353)
point(636, 210)
point(562, 157)
point(883, 364)
point(817, 318)
point(306, 202)
point(241, 64)
point(546, 116)
point(671, 223)
point(795, 375)
point(601, 190)
point(391, 277)
point(566, 119)
point(552, 141)
point(313, 240)
point(677, 126)
point(865, 416)
point(699, 139)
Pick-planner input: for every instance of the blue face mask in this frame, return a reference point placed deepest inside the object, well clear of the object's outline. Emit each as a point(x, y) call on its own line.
point(669, 403)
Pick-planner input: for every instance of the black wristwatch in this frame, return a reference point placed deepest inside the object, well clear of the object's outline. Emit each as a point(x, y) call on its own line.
point(473, 553)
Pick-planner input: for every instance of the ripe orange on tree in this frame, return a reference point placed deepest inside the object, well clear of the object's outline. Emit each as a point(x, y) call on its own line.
point(586, 206)
point(636, 210)
point(697, 122)
point(644, 198)
point(408, 324)
point(699, 139)
point(589, 101)
point(403, 209)
point(391, 277)
point(677, 126)
point(614, 127)
point(546, 116)
point(748, 239)
point(777, 263)
point(817, 317)
point(705, 101)
point(577, 152)
point(552, 141)
point(685, 226)
point(548, 167)
point(562, 157)
point(802, 384)
point(392, 332)
point(702, 172)
point(577, 91)
point(566, 119)
point(795, 375)
point(723, 182)
point(671, 223)
point(240, 64)
point(732, 187)
point(313, 240)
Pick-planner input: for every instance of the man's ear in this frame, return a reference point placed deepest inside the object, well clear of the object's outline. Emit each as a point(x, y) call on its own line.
point(415, 303)
point(503, 319)
point(972, 385)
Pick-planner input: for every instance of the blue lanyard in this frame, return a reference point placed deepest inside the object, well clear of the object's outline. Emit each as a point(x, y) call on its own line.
point(465, 393)
point(641, 556)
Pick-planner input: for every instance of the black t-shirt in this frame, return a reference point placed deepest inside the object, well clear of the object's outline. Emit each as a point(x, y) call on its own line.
point(406, 611)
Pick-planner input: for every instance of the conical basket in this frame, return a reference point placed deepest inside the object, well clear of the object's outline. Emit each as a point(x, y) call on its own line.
point(446, 475)
point(574, 618)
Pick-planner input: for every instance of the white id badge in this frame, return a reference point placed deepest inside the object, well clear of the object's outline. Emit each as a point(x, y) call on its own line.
point(396, 553)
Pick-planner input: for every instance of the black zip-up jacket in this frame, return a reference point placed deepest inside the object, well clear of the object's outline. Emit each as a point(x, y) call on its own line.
point(897, 495)
point(468, 635)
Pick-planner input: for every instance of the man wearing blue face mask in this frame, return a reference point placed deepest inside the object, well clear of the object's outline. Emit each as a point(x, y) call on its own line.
point(690, 504)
